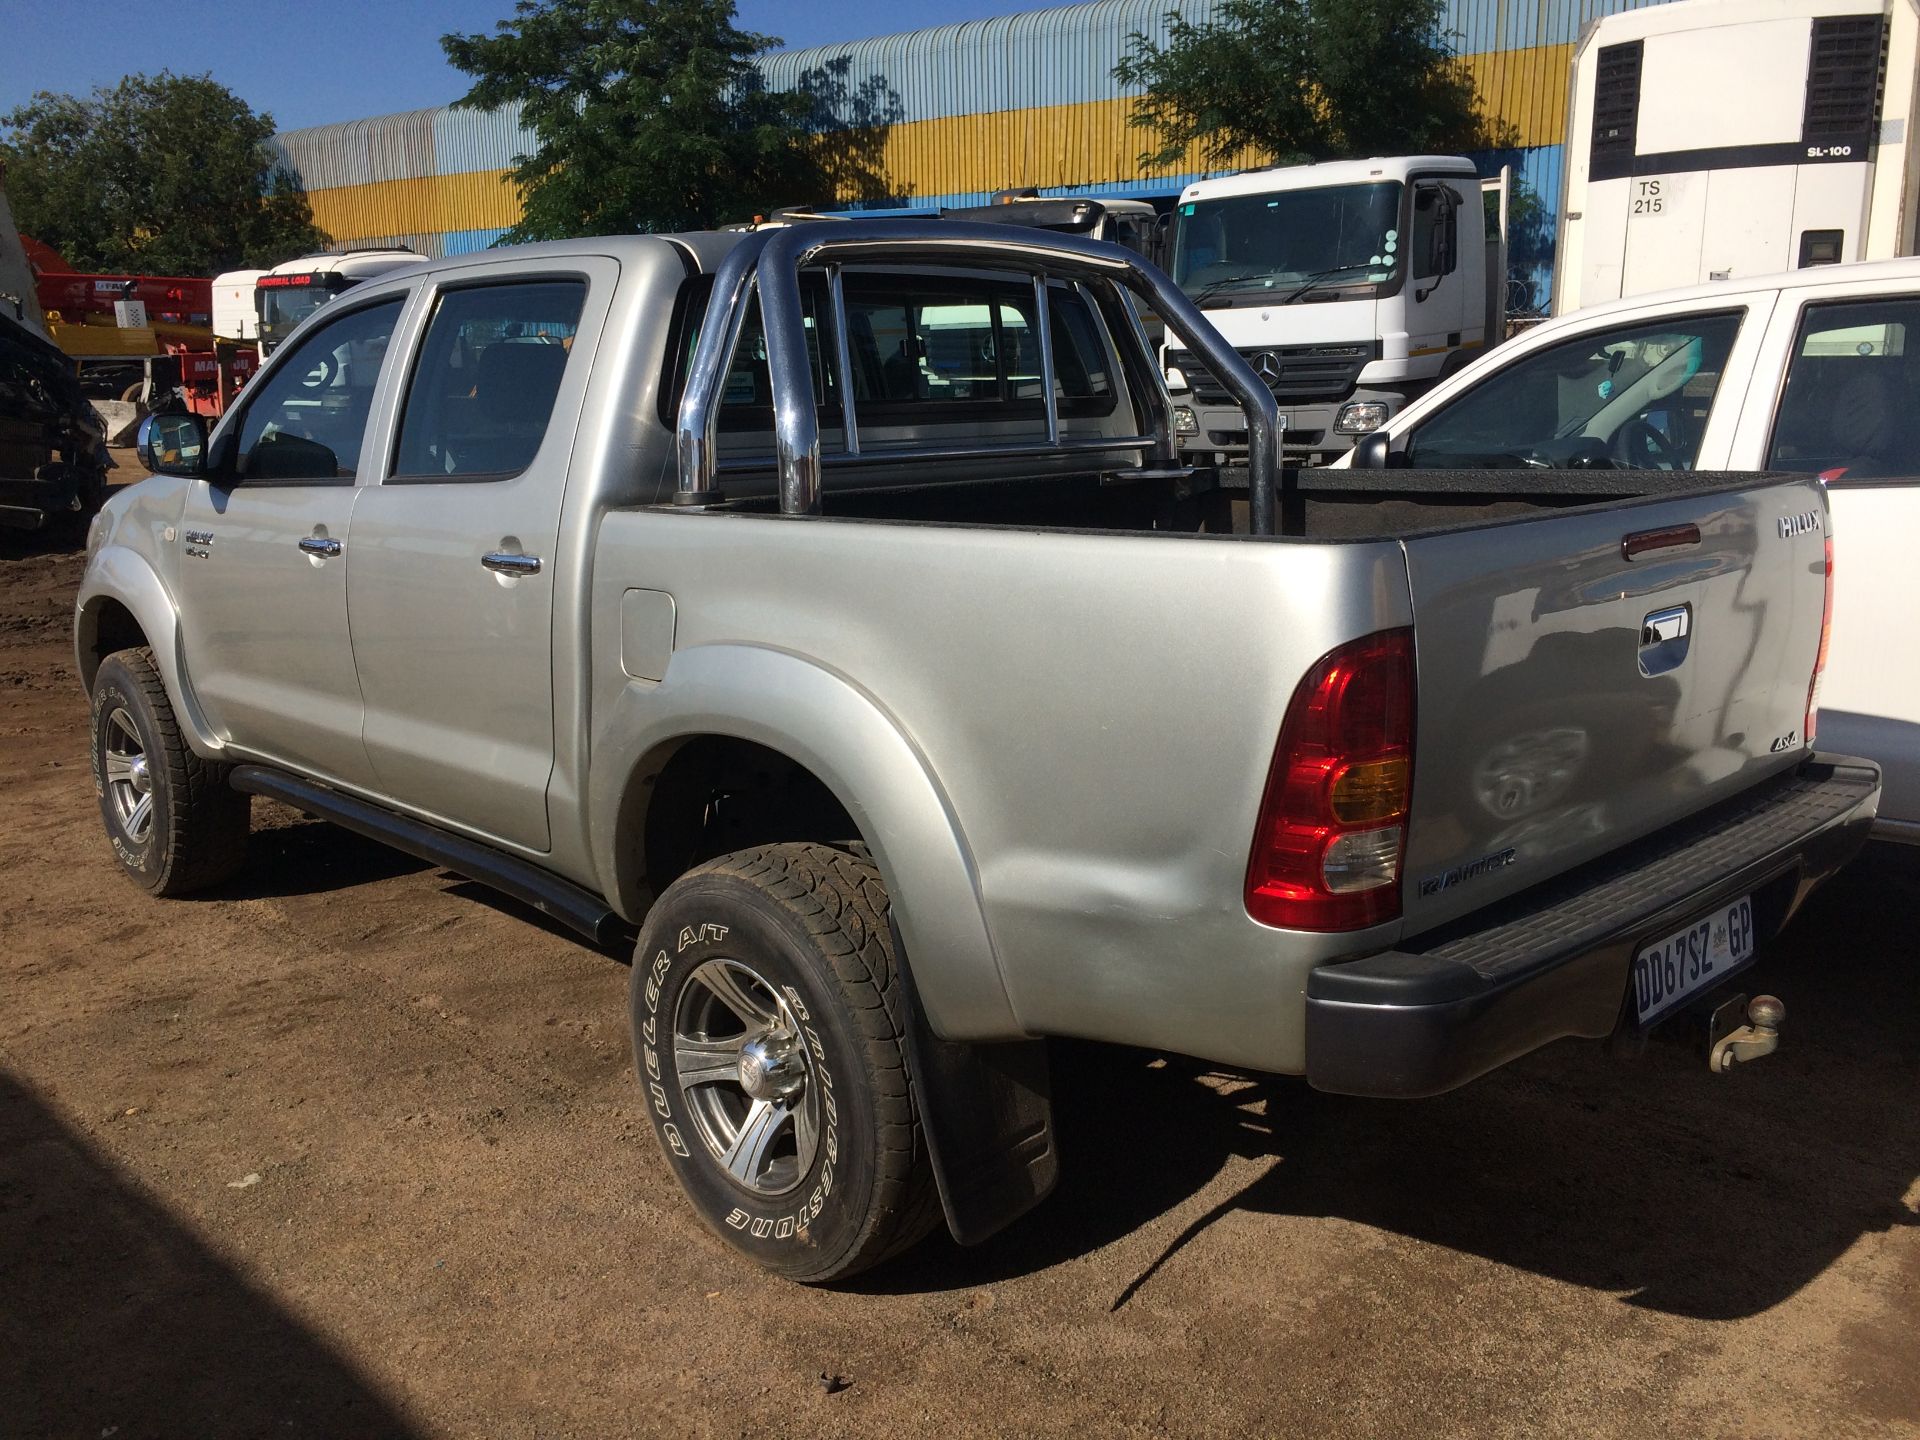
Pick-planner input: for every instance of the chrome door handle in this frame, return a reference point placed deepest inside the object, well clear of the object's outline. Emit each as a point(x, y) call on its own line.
point(505, 564)
point(320, 545)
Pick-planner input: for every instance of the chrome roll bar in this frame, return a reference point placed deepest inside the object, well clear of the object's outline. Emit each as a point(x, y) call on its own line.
point(769, 262)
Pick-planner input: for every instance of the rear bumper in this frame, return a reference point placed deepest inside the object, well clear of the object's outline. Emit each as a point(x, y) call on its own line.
point(1554, 961)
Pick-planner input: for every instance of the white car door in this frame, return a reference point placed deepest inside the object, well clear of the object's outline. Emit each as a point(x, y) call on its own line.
point(1599, 389)
point(1833, 395)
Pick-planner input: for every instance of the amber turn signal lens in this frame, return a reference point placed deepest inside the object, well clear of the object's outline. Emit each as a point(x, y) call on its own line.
point(1372, 790)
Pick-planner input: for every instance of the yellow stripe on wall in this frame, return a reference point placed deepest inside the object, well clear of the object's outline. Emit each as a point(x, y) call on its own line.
point(1525, 88)
point(1052, 146)
point(477, 200)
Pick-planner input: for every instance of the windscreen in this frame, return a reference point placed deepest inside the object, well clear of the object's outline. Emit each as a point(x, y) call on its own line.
point(285, 307)
point(1253, 244)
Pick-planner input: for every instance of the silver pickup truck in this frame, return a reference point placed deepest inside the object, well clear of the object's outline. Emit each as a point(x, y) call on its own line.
point(826, 603)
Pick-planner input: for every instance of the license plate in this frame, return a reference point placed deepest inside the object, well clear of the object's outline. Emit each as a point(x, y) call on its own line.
point(1688, 961)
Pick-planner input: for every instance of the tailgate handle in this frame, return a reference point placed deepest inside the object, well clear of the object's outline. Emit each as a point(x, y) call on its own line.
point(1645, 542)
point(1664, 637)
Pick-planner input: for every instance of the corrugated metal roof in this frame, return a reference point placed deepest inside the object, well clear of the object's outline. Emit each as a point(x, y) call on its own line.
point(1066, 56)
point(466, 140)
point(359, 152)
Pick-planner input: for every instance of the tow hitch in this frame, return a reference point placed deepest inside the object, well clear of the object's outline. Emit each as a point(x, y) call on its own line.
point(1732, 1042)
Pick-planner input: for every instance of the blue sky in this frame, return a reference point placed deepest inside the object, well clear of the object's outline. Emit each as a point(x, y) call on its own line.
point(311, 62)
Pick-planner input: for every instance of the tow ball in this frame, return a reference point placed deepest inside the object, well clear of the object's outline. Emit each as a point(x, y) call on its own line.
point(1733, 1042)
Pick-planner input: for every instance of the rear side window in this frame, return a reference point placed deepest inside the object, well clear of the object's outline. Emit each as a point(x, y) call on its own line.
point(483, 392)
point(1847, 412)
point(1633, 398)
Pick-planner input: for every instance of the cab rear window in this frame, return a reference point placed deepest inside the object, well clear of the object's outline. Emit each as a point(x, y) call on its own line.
point(921, 349)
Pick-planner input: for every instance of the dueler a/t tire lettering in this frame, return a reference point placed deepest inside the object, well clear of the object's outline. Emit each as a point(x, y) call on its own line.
point(797, 937)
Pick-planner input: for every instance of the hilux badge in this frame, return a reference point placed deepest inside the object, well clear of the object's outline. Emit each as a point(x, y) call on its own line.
point(1801, 524)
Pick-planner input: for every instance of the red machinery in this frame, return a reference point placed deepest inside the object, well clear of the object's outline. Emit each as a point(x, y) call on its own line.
point(120, 362)
point(172, 298)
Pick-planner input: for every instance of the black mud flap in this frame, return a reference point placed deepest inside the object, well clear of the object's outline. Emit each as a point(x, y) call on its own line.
point(987, 1113)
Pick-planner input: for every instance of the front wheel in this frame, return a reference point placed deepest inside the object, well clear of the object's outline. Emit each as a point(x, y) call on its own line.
point(173, 822)
point(770, 1033)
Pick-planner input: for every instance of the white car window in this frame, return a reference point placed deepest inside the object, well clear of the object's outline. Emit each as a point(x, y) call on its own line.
point(1847, 413)
point(1635, 397)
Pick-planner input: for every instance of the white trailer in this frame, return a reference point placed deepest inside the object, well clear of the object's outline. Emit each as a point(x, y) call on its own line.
point(1723, 139)
point(235, 316)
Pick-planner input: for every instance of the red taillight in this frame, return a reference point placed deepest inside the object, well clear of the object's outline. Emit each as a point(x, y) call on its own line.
point(1820, 660)
point(1333, 823)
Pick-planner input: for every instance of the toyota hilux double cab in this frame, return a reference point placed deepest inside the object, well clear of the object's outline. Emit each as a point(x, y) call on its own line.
point(826, 604)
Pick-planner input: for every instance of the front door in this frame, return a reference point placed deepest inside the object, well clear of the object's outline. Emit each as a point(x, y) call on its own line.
point(453, 598)
point(263, 552)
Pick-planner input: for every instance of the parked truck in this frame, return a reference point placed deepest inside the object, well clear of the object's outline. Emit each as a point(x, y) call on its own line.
point(1731, 139)
point(1349, 287)
point(825, 602)
point(294, 289)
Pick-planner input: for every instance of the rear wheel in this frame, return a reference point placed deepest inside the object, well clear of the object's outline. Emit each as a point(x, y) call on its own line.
point(770, 1033)
point(174, 823)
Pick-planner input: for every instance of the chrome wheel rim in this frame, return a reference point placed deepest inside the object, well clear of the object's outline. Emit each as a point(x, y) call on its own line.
point(743, 1067)
point(129, 779)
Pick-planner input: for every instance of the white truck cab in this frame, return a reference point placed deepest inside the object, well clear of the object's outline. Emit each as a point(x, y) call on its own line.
point(1349, 286)
point(294, 289)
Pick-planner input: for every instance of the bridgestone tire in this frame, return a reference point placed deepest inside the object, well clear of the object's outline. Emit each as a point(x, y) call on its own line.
point(812, 922)
point(196, 834)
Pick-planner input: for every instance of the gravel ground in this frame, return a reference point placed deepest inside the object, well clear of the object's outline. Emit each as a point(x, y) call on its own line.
point(353, 1148)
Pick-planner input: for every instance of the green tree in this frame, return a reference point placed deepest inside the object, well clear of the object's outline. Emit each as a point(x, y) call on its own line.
point(1300, 80)
point(651, 116)
point(159, 175)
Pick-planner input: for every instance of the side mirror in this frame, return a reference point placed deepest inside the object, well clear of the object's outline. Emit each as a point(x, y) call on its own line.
point(173, 444)
point(1373, 451)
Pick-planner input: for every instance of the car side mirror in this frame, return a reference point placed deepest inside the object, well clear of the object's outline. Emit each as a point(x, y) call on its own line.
point(173, 444)
point(1374, 451)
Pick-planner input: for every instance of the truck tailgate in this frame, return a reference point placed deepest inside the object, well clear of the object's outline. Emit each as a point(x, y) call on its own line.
point(1571, 699)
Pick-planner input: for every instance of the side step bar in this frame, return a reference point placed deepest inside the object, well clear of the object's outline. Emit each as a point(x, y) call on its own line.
point(572, 906)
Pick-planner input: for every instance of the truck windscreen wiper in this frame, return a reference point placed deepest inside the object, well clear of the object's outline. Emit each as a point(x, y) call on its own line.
point(1208, 291)
point(1314, 279)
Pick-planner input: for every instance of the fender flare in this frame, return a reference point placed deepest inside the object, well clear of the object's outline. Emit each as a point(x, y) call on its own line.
point(122, 575)
point(825, 722)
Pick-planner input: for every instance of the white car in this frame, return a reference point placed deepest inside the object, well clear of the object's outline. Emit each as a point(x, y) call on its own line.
point(1815, 372)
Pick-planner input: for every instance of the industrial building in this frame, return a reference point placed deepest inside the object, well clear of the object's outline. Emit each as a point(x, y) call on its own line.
point(1021, 100)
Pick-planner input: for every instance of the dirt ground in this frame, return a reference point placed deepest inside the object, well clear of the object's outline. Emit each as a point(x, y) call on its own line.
point(354, 1148)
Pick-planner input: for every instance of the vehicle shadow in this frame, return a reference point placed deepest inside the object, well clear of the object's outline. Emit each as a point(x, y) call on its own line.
point(118, 1320)
point(1701, 1196)
point(56, 539)
point(299, 856)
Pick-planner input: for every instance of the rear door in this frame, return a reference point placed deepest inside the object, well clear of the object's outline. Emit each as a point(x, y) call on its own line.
point(1843, 368)
point(452, 592)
